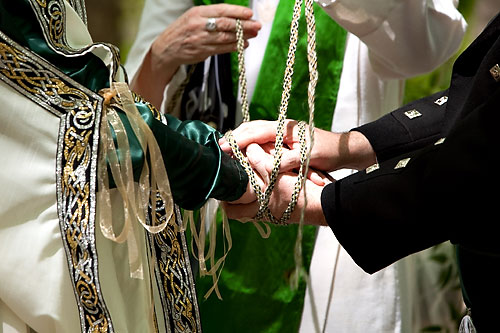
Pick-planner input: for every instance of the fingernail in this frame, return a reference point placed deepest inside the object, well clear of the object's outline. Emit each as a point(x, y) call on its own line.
point(317, 179)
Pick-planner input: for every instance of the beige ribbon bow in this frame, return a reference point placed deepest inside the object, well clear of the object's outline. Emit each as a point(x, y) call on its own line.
point(136, 197)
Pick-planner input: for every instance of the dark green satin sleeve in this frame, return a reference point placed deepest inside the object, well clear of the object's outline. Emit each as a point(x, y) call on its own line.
point(197, 168)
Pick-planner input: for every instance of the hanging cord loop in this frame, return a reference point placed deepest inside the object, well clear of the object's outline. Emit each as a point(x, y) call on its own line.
point(263, 196)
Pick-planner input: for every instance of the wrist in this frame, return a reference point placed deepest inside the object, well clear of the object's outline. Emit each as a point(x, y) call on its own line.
point(355, 151)
point(152, 78)
point(162, 62)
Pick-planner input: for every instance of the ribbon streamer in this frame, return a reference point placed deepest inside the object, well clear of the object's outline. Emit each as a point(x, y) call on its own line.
point(199, 238)
point(136, 197)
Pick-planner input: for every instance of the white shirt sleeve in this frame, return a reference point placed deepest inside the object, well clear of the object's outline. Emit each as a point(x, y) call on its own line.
point(405, 37)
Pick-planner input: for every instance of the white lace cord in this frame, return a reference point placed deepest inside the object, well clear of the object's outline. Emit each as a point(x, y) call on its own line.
point(264, 212)
point(242, 78)
point(263, 198)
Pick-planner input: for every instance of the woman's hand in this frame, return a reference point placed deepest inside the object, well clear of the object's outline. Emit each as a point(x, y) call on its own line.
point(279, 200)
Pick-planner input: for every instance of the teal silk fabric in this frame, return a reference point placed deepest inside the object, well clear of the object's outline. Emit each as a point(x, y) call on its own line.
point(255, 281)
point(196, 167)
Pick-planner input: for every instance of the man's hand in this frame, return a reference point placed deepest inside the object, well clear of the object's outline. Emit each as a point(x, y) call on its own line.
point(331, 151)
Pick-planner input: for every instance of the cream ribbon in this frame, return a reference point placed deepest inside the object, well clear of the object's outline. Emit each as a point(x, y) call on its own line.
point(199, 238)
point(136, 198)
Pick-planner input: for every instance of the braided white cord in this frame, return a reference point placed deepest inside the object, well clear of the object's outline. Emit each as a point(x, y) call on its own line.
point(305, 156)
point(264, 212)
point(311, 93)
point(241, 67)
point(285, 97)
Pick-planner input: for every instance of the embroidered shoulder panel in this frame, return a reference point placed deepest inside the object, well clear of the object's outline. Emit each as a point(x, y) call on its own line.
point(79, 110)
point(51, 16)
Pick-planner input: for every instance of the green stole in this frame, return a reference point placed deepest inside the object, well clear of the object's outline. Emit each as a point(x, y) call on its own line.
point(254, 284)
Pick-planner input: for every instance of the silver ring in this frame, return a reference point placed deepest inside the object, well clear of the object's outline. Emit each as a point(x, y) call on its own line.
point(211, 25)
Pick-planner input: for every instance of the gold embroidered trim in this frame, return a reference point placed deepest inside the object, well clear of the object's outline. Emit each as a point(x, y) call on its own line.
point(173, 270)
point(51, 16)
point(175, 279)
point(79, 110)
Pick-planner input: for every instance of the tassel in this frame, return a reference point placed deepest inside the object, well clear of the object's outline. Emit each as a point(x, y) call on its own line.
point(466, 325)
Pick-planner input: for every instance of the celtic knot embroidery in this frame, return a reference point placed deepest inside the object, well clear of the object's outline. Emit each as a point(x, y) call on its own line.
point(175, 278)
point(172, 269)
point(51, 15)
point(79, 110)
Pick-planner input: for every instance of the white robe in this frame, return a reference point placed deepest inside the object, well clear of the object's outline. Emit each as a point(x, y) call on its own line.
point(388, 41)
point(36, 288)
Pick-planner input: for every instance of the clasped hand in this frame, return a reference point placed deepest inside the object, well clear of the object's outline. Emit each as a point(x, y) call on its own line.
point(256, 140)
point(331, 151)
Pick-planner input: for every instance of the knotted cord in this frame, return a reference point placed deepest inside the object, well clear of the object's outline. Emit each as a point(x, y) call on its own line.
point(263, 197)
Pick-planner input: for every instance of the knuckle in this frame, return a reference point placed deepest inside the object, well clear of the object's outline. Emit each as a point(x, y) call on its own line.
point(226, 24)
point(191, 24)
point(196, 10)
point(224, 38)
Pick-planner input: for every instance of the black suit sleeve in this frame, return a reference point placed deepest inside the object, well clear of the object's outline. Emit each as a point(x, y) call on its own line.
point(440, 192)
point(410, 127)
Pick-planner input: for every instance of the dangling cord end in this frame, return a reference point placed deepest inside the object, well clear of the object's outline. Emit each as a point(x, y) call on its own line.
point(466, 325)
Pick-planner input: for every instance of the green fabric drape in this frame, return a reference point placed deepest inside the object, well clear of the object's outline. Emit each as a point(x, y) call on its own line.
point(254, 284)
point(196, 166)
point(330, 40)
